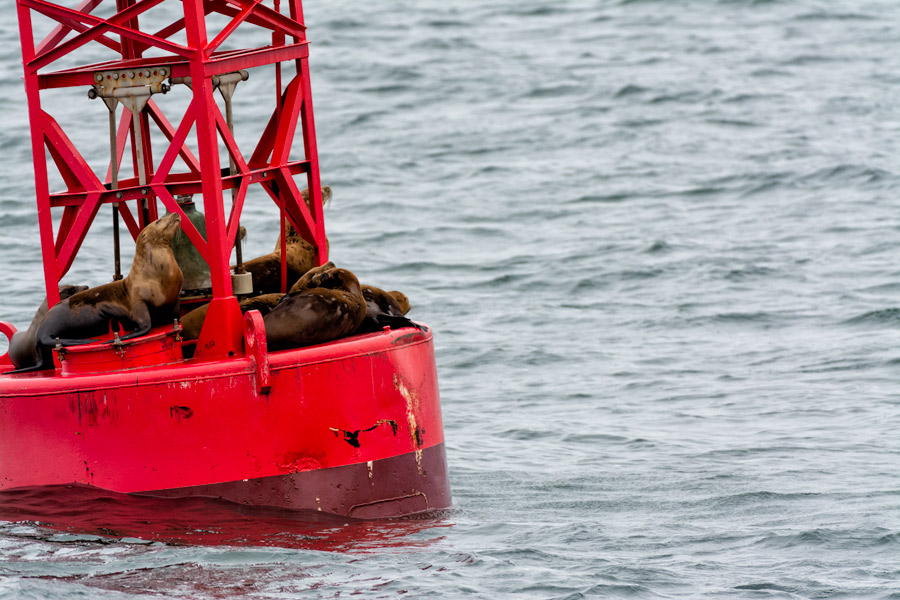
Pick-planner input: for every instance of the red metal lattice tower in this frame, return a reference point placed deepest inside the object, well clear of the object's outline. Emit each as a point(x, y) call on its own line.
point(153, 181)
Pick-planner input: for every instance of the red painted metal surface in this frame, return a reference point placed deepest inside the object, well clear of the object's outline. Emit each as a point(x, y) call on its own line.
point(161, 347)
point(351, 427)
point(400, 485)
point(201, 422)
point(8, 330)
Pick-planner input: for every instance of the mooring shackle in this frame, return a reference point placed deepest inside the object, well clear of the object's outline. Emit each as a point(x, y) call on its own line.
point(257, 349)
point(9, 330)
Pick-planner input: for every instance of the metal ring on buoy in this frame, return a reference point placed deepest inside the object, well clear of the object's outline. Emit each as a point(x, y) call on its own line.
point(7, 329)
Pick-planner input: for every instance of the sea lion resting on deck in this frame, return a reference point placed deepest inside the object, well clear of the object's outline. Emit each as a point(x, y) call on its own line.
point(301, 257)
point(329, 305)
point(148, 296)
point(383, 309)
point(319, 315)
point(22, 350)
point(192, 322)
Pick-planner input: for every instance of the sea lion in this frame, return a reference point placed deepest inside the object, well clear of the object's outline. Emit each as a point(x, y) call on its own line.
point(301, 257)
point(148, 296)
point(401, 300)
point(305, 280)
point(330, 307)
point(192, 322)
point(382, 308)
point(22, 351)
point(385, 309)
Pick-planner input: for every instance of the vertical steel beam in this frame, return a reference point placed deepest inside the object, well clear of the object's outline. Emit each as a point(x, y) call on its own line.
point(312, 155)
point(42, 187)
point(223, 332)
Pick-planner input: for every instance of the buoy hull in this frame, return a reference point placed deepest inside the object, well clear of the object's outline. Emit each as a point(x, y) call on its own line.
point(352, 427)
point(390, 487)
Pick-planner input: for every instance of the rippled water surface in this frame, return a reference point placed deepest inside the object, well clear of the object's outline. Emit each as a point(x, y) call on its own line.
point(658, 243)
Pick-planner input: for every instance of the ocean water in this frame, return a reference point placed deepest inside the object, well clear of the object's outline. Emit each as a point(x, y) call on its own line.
point(659, 245)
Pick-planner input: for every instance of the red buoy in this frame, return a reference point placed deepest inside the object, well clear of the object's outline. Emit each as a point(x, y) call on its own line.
point(350, 427)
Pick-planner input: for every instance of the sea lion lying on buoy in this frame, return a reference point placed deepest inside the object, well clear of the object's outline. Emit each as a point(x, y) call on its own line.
point(192, 322)
point(385, 309)
point(301, 257)
point(22, 350)
point(306, 279)
point(401, 300)
point(148, 296)
point(331, 306)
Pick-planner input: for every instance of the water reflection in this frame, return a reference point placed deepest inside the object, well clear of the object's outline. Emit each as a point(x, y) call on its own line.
point(84, 510)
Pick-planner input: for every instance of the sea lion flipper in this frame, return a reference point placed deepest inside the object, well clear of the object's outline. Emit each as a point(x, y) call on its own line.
point(379, 322)
point(140, 315)
point(71, 342)
point(44, 356)
point(37, 367)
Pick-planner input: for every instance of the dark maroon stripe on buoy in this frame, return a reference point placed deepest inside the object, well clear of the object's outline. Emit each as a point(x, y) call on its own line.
point(390, 487)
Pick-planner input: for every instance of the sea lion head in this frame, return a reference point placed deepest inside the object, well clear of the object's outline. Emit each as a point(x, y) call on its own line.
point(402, 300)
point(292, 236)
point(161, 231)
point(326, 196)
point(339, 279)
point(155, 272)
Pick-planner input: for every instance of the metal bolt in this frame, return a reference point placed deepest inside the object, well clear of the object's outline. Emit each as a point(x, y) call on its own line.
point(99, 77)
point(115, 76)
point(130, 74)
point(119, 195)
point(163, 72)
point(144, 191)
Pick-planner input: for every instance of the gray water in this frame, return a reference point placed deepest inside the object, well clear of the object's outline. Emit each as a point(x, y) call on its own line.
point(658, 243)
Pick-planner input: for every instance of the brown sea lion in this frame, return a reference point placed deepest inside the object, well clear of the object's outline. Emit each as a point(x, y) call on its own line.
point(382, 308)
point(304, 281)
point(301, 257)
point(401, 300)
point(331, 307)
point(385, 309)
point(148, 296)
point(192, 322)
point(22, 351)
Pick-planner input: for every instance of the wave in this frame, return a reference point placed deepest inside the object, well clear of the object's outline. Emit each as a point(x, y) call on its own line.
point(884, 316)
